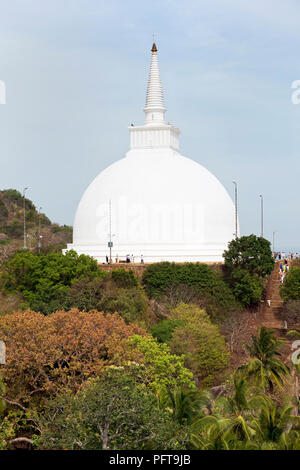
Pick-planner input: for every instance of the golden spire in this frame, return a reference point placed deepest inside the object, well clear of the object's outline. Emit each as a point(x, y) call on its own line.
point(154, 48)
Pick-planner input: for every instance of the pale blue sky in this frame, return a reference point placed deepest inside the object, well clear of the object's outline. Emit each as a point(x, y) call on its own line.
point(76, 74)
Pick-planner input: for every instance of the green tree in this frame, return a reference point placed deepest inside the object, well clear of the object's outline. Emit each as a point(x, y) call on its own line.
point(185, 404)
point(44, 279)
point(164, 369)
point(84, 294)
point(250, 253)
point(7, 428)
point(274, 421)
point(201, 343)
point(124, 278)
point(291, 287)
point(130, 303)
point(247, 288)
point(163, 330)
point(199, 281)
point(115, 411)
point(266, 369)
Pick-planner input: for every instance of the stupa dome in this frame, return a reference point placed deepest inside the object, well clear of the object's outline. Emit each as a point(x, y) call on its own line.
point(154, 202)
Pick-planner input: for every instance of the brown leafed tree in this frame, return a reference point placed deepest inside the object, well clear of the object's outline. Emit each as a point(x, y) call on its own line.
point(50, 354)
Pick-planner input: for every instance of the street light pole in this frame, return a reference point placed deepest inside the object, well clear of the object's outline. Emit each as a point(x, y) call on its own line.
point(24, 212)
point(110, 243)
point(235, 208)
point(39, 232)
point(261, 215)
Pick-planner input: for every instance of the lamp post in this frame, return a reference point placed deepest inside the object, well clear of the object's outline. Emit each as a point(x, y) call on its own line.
point(24, 211)
point(39, 232)
point(261, 215)
point(235, 208)
point(110, 235)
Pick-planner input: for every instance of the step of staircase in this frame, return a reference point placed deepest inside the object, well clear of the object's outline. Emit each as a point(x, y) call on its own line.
point(269, 313)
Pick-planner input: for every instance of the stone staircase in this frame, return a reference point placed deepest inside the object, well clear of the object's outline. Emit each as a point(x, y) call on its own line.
point(269, 318)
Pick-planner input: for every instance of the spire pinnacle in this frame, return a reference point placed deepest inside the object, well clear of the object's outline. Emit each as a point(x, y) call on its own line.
point(154, 48)
point(155, 107)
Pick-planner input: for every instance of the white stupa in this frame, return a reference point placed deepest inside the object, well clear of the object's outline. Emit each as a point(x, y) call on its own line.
point(154, 203)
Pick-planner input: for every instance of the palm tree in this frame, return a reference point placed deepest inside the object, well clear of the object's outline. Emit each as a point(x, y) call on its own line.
point(230, 426)
point(266, 368)
point(277, 424)
point(185, 405)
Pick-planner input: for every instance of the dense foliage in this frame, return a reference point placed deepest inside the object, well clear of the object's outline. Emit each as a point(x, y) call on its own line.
point(47, 354)
point(200, 341)
point(248, 260)
point(124, 278)
point(206, 284)
point(251, 253)
point(43, 279)
point(116, 411)
point(265, 368)
point(291, 287)
point(111, 362)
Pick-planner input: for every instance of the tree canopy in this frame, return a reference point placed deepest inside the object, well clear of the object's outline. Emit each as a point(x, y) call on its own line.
point(251, 253)
point(291, 287)
point(115, 411)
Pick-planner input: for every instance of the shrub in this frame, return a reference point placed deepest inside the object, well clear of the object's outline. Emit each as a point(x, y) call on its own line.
point(290, 312)
point(3, 211)
point(44, 279)
point(246, 287)
point(131, 304)
point(13, 195)
point(84, 294)
point(201, 343)
point(159, 276)
point(14, 230)
point(291, 286)
point(124, 278)
point(163, 369)
point(205, 286)
point(163, 330)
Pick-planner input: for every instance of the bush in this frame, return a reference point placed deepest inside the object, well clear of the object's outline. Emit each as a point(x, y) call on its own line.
point(247, 288)
point(291, 286)
point(84, 294)
point(201, 343)
point(197, 281)
point(163, 330)
point(124, 278)
point(159, 276)
point(163, 369)
point(131, 304)
point(3, 211)
point(44, 279)
point(14, 230)
point(290, 312)
point(13, 195)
